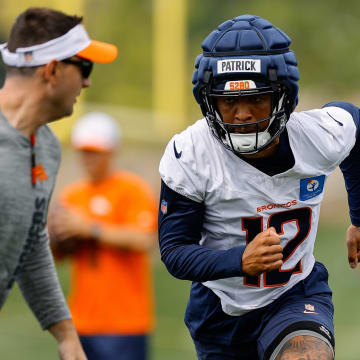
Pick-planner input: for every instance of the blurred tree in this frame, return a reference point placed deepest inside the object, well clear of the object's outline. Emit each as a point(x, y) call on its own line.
point(127, 24)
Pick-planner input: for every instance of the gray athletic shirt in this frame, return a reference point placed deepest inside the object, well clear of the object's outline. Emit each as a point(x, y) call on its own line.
point(25, 255)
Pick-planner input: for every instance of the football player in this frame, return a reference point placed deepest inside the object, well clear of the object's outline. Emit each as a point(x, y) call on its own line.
point(240, 200)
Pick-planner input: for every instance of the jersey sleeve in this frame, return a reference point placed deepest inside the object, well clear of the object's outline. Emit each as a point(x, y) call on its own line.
point(180, 224)
point(179, 166)
point(324, 136)
point(353, 110)
point(350, 166)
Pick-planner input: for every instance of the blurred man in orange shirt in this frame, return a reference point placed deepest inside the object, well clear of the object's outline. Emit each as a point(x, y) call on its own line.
point(107, 224)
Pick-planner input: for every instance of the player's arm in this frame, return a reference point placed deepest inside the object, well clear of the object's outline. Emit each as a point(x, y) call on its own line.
point(350, 168)
point(180, 226)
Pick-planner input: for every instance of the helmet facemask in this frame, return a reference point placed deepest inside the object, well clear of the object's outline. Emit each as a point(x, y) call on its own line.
point(238, 137)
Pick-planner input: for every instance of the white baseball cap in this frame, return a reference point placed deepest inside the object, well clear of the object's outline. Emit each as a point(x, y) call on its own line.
point(96, 132)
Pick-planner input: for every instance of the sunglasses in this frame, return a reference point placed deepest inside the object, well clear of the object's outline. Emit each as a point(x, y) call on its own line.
point(85, 66)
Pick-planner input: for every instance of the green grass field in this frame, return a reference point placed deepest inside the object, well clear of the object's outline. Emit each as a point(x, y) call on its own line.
point(21, 337)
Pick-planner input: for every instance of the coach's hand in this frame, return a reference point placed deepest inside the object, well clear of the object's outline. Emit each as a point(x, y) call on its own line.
point(69, 346)
point(263, 254)
point(353, 245)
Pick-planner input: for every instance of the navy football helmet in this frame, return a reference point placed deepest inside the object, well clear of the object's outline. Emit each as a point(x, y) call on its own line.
point(246, 56)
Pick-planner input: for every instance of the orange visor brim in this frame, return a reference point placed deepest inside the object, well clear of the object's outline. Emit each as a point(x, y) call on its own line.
point(93, 148)
point(99, 52)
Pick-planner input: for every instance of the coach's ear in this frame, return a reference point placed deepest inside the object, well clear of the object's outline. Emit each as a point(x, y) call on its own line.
point(52, 71)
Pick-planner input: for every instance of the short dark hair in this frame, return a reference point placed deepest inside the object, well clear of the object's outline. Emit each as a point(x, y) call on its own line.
point(36, 26)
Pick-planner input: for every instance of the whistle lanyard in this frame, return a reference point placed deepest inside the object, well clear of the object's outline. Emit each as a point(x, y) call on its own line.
point(33, 161)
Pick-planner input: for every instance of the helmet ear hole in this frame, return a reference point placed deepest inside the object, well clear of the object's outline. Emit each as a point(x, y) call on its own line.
point(272, 74)
point(206, 77)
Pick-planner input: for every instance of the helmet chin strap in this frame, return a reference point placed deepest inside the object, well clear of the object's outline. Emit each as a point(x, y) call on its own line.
point(246, 142)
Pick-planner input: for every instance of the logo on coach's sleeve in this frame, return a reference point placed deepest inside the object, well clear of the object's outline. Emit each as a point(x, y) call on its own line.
point(311, 187)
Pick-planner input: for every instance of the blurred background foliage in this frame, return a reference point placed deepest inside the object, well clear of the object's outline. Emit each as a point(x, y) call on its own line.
point(324, 33)
point(135, 91)
point(128, 25)
point(325, 38)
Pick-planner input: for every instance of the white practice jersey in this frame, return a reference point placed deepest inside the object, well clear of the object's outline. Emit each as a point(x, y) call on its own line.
point(241, 201)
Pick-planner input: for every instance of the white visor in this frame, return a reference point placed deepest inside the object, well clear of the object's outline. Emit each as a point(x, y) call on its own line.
point(63, 47)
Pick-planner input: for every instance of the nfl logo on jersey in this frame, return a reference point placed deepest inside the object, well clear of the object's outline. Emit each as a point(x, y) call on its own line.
point(163, 207)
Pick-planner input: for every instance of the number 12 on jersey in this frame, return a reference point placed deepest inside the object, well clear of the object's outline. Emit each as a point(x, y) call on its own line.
point(254, 226)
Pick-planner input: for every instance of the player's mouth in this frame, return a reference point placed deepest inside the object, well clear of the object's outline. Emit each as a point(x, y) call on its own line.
point(243, 129)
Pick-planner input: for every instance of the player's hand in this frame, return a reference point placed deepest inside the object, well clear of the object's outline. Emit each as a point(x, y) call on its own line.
point(263, 254)
point(353, 245)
